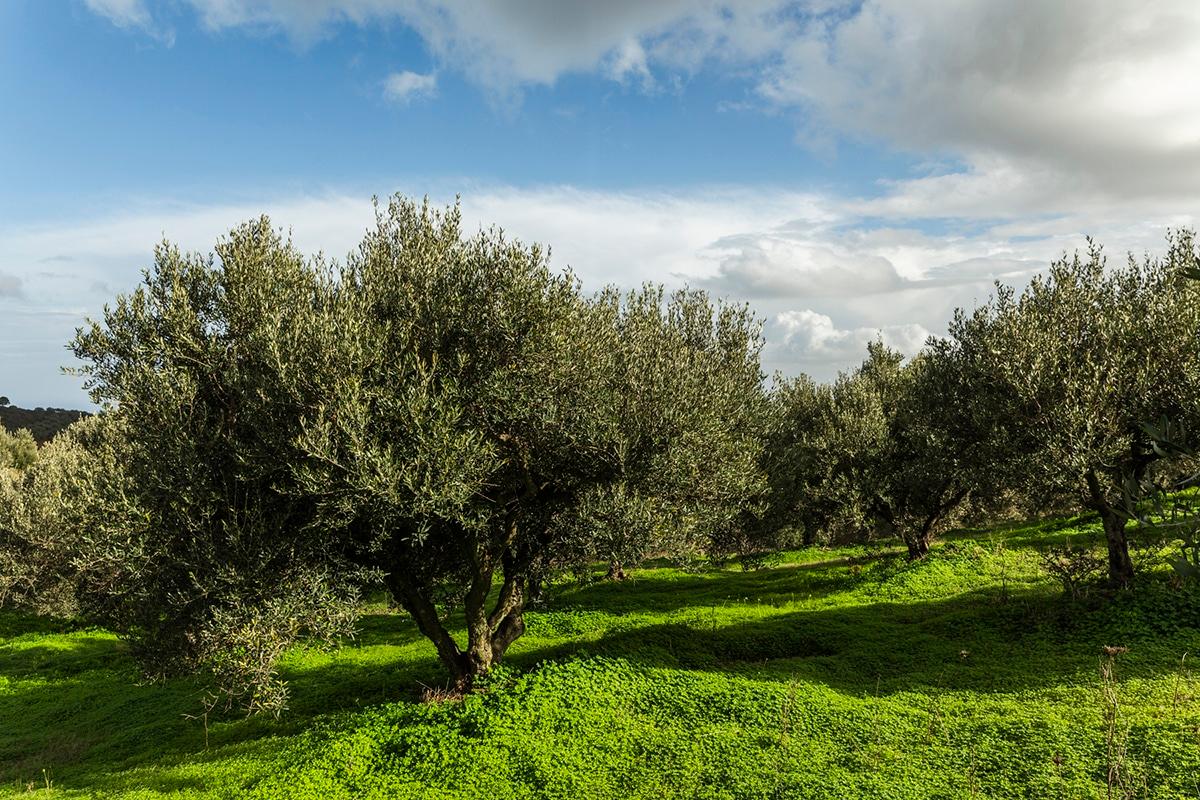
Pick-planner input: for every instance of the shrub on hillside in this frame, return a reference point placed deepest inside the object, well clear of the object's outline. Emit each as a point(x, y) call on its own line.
point(53, 523)
point(1074, 568)
point(18, 450)
point(43, 423)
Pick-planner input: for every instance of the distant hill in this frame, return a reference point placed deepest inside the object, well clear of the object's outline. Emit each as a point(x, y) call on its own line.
point(44, 423)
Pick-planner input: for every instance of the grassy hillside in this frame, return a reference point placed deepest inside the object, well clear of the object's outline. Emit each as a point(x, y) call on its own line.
point(966, 675)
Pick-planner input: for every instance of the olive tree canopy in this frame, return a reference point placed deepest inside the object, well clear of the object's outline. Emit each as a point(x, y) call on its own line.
point(903, 442)
point(440, 412)
point(487, 415)
point(1076, 365)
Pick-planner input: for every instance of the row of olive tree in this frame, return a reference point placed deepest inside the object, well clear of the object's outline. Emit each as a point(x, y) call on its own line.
point(1041, 396)
point(890, 449)
point(1082, 360)
point(441, 414)
point(446, 416)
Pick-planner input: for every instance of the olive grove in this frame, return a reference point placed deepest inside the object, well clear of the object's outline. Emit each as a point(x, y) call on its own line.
point(445, 417)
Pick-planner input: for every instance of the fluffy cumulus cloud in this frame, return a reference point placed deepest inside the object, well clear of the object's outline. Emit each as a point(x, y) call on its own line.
point(767, 264)
point(809, 338)
point(1046, 106)
point(1048, 98)
point(402, 87)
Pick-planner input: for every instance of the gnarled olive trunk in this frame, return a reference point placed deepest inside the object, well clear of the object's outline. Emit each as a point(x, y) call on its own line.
point(489, 632)
point(914, 538)
point(944, 503)
point(1120, 566)
point(918, 545)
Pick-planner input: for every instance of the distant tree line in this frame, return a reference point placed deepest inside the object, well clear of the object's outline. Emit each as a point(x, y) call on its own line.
point(42, 423)
point(447, 417)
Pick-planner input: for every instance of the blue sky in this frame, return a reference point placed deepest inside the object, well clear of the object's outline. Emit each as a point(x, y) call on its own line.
point(852, 169)
point(105, 110)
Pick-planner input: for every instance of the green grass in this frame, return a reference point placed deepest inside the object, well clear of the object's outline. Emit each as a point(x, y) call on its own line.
point(966, 675)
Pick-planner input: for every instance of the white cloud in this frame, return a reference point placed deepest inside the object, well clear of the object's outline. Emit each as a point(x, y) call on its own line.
point(1046, 102)
point(402, 87)
point(628, 61)
point(1049, 106)
point(804, 261)
point(504, 45)
point(123, 13)
point(767, 264)
point(10, 285)
point(131, 15)
point(811, 339)
point(630, 237)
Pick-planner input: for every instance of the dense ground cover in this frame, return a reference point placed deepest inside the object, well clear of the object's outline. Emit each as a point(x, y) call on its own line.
point(826, 673)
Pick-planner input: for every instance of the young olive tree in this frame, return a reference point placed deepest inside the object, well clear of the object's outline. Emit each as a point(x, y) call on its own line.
point(951, 451)
point(903, 447)
point(199, 551)
point(800, 458)
point(1078, 362)
point(490, 420)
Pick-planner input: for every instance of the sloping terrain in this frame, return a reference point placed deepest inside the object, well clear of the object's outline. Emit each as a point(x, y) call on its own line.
point(824, 674)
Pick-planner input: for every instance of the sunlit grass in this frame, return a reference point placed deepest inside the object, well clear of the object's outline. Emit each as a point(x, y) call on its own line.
point(830, 673)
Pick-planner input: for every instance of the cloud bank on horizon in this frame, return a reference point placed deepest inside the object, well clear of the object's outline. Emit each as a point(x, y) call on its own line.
point(995, 137)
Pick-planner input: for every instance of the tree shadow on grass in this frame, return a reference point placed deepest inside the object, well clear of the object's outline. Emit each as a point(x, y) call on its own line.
point(94, 711)
point(59, 659)
point(1036, 533)
point(657, 592)
point(18, 623)
point(981, 641)
point(90, 714)
point(77, 706)
point(849, 648)
point(74, 704)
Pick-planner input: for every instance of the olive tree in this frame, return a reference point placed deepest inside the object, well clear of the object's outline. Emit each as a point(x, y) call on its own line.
point(894, 447)
point(490, 420)
point(1079, 361)
point(204, 557)
point(801, 455)
point(18, 449)
point(443, 413)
